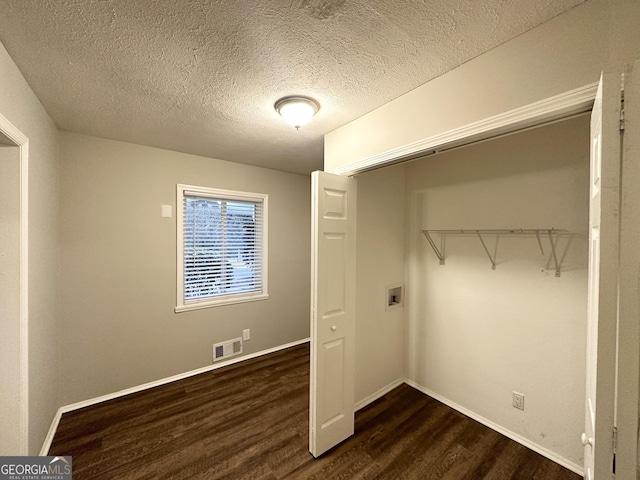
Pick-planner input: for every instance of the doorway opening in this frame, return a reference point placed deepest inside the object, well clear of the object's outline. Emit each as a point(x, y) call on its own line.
point(13, 290)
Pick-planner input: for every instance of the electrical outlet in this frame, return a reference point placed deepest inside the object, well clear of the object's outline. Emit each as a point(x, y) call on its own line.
point(246, 334)
point(517, 400)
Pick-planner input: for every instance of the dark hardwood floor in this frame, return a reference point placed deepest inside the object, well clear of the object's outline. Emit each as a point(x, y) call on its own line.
point(250, 421)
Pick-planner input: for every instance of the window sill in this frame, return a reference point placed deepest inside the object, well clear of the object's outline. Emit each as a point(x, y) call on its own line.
point(220, 302)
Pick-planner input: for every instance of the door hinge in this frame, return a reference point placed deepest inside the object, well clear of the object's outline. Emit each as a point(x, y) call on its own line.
point(614, 440)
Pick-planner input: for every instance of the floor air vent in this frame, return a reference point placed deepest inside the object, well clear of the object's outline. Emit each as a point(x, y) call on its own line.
point(227, 349)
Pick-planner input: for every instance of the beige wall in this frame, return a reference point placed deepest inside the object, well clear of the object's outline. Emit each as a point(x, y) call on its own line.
point(564, 53)
point(24, 111)
point(475, 335)
point(9, 300)
point(379, 262)
point(119, 266)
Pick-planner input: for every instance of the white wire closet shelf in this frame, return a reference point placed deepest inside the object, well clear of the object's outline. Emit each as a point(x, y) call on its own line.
point(552, 234)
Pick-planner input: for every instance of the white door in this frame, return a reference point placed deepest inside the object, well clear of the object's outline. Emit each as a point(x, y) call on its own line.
point(603, 279)
point(333, 264)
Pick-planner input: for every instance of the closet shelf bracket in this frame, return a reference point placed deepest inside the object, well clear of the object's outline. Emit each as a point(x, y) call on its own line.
point(551, 233)
point(553, 251)
point(491, 259)
point(433, 245)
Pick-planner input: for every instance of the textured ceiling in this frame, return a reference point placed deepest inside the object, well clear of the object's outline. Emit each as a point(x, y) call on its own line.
point(201, 76)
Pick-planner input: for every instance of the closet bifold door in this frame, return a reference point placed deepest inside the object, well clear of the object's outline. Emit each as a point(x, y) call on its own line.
point(333, 251)
point(604, 201)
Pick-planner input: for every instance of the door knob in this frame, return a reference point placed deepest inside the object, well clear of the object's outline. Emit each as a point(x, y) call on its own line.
point(586, 440)
point(334, 328)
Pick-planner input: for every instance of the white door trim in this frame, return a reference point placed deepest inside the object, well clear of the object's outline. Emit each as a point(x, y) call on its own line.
point(22, 142)
point(563, 105)
point(629, 313)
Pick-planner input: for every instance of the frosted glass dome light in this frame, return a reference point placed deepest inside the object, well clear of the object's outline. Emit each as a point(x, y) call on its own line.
point(297, 111)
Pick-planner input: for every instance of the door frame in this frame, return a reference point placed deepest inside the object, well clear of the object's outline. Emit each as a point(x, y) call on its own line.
point(628, 378)
point(22, 142)
point(558, 107)
point(555, 108)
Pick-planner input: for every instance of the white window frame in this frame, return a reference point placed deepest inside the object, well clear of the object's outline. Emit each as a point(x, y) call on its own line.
point(181, 304)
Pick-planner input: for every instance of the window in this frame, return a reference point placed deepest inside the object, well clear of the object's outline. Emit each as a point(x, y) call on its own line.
point(222, 247)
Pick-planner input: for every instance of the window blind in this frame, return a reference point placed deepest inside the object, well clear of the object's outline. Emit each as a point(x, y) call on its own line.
point(222, 246)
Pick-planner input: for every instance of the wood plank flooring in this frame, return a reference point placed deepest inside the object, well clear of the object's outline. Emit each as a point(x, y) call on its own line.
point(250, 421)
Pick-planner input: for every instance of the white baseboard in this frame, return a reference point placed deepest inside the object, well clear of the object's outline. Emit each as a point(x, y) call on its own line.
point(376, 395)
point(145, 386)
point(46, 445)
point(507, 433)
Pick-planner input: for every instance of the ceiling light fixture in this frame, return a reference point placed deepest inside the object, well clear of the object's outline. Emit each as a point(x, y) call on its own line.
point(297, 111)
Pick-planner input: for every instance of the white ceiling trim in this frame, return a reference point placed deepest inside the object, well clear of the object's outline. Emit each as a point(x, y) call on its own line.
point(559, 106)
